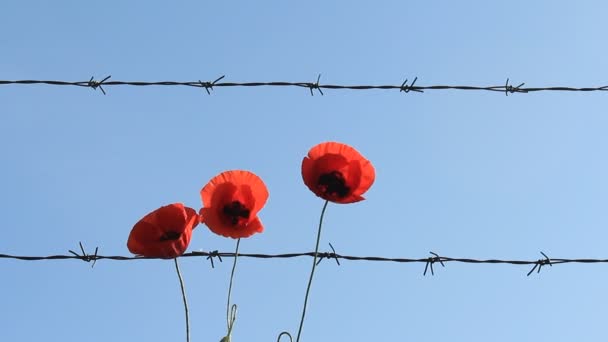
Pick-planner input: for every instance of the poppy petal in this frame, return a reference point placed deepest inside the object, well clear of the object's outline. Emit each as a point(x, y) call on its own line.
point(223, 193)
point(219, 227)
point(143, 234)
point(243, 187)
point(171, 216)
point(313, 169)
point(217, 191)
point(164, 232)
point(256, 187)
point(212, 219)
point(367, 178)
point(237, 178)
point(308, 172)
point(254, 226)
point(332, 147)
point(329, 163)
point(246, 197)
point(192, 218)
point(347, 174)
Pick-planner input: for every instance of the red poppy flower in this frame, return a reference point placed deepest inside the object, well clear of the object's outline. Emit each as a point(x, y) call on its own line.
point(231, 201)
point(163, 233)
point(337, 172)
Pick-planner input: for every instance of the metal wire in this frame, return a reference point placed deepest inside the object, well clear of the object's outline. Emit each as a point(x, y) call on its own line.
point(428, 261)
point(308, 254)
point(506, 88)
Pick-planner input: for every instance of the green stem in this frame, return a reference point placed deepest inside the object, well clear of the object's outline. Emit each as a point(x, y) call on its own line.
point(312, 272)
point(181, 283)
point(230, 318)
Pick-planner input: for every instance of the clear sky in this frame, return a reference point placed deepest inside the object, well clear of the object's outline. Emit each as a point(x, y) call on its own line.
point(463, 174)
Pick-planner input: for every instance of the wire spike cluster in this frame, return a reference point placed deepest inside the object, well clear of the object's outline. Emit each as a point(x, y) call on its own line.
point(428, 261)
point(315, 86)
point(510, 89)
point(214, 254)
point(97, 84)
point(404, 87)
point(540, 263)
point(329, 255)
point(85, 257)
point(209, 85)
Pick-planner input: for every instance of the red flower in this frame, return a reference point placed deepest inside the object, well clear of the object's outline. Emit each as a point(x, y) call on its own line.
point(231, 201)
point(163, 233)
point(337, 172)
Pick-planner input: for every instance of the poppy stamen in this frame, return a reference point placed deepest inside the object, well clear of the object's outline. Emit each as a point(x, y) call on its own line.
point(333, 184)
point(235, 211)
point(170, 236)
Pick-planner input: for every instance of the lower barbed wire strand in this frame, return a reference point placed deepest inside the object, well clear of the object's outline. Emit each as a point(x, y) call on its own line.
point(309, 254)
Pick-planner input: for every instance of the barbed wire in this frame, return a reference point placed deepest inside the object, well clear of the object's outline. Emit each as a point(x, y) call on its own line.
point(406, 87)
point(428, 261)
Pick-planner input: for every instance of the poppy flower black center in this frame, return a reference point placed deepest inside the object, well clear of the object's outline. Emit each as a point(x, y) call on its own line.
point(333, 184)
point(170, 236)
point(235, 211)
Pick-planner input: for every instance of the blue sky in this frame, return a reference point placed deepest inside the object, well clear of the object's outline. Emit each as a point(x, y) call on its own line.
point(463, 174)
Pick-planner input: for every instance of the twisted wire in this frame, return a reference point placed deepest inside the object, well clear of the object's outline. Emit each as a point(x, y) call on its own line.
point(326, 255)
point(506, 88)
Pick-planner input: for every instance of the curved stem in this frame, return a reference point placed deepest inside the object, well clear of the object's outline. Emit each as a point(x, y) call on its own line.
point(181, 283)
point(286, 333)
point(312, 272)
point(229, 319)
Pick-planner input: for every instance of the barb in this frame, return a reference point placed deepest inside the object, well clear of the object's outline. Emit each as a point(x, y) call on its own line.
point(85, 256)
point(540, 263)
point(506, 88)
point(510, 89)
point(329, 255)
point(213, 254)
point(315, 86)
point(209, 85)
point(430, 261)
point(405, 88)
point(94, 84)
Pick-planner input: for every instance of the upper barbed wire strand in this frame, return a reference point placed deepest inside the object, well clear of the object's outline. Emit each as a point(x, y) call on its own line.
point(506, 88)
